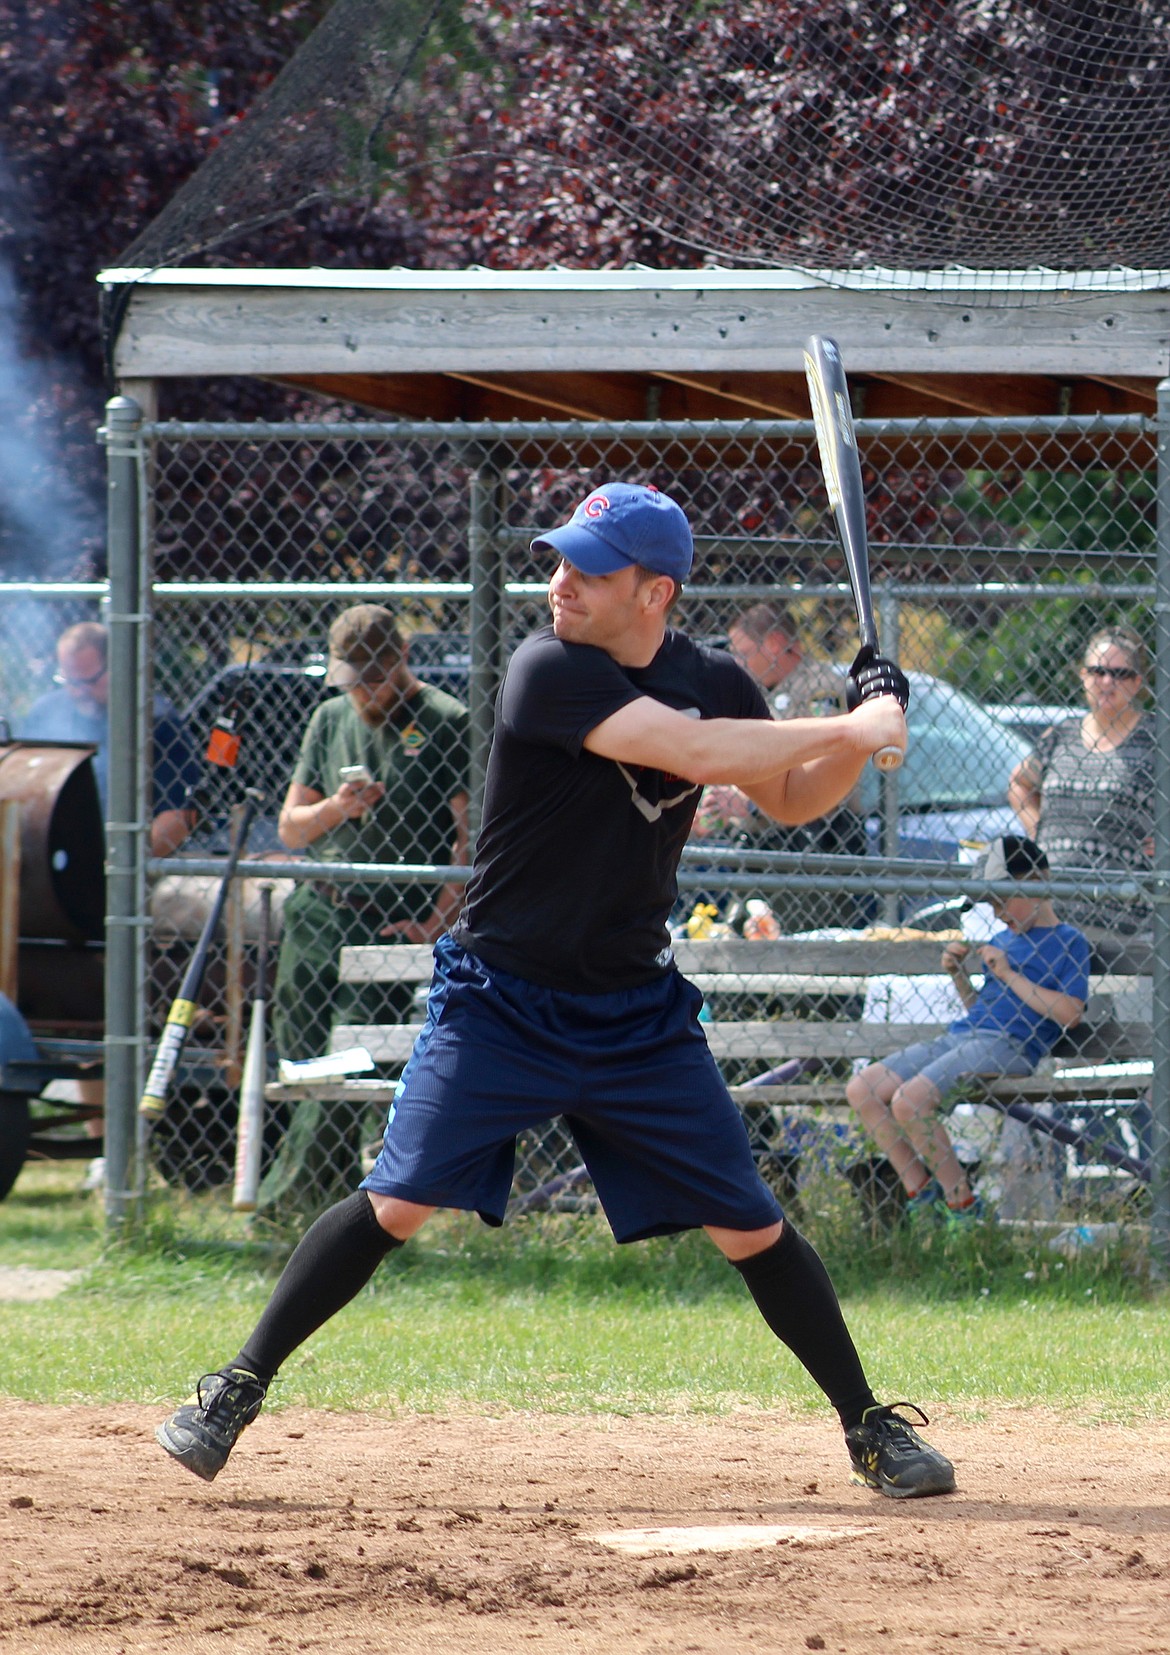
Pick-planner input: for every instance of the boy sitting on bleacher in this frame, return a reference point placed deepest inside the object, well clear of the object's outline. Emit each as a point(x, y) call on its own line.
point(1035, 985)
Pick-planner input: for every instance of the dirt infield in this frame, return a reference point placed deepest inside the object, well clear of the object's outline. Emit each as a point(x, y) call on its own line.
point(335, 1533)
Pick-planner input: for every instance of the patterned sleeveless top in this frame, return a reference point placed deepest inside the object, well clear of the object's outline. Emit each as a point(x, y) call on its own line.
point(1096, 809)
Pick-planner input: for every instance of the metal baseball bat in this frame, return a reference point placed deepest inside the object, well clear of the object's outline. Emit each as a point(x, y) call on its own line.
point(1086, 1142)
point(250, 1127)
point(837, 442)
point(153, 1101)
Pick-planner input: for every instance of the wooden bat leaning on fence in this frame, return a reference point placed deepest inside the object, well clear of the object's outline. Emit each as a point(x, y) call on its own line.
point(250, 1128)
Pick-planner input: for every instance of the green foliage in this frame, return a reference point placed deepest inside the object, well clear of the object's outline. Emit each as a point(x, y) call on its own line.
point(1094, 529)
point(1106, 514)
point(1032, 651)
point(47, 1224)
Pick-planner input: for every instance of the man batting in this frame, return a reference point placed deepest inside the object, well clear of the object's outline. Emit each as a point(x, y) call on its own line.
point(557, 993)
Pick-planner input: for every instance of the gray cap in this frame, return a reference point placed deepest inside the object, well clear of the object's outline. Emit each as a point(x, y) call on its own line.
point(364, 641)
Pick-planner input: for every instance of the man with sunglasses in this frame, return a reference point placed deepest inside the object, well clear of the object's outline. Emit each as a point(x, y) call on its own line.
point(78, 710)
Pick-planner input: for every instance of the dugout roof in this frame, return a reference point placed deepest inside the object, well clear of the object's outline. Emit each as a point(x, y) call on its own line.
point(640, 344)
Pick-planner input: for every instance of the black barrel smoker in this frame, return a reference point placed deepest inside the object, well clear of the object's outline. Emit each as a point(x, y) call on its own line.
point(60, 953)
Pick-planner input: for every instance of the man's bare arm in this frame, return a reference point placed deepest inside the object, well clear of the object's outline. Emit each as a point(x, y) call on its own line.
point(169, 829)
point(1024, 795)
point(795, 770)
point(306, 814)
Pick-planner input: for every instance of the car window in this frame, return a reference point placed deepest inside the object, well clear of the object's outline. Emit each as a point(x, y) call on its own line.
point(1030, 720)
point(958, 756)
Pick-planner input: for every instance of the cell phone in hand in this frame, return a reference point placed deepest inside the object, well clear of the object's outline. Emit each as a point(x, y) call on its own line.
point(357, 775)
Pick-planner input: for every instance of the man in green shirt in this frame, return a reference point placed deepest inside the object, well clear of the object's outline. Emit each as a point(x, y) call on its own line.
point(381, 777)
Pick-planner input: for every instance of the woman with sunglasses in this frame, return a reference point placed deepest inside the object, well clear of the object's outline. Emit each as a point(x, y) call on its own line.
point(1086, 792)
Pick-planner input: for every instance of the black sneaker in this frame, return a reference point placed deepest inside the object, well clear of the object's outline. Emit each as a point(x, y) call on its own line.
point(202, 1433)
point(888, 1455)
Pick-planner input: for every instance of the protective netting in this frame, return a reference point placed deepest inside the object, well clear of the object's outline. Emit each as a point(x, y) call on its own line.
point(999, 553)
point(826, 134)
point(311, 137)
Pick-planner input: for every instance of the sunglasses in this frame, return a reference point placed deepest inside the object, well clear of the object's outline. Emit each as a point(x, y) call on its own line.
point(79, 683)
point(1119, 675)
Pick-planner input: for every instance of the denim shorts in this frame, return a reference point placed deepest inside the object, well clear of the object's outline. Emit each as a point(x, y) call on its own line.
point(630, 1071)
point(953, 1057)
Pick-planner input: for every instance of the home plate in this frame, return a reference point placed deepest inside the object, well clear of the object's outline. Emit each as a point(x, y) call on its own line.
point(726, 1537)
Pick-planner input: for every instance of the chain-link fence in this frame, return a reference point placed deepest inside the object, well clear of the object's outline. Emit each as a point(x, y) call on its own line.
point(1015, 567)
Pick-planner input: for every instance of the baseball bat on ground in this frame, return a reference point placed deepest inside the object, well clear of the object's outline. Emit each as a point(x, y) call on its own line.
point(153, 1101)
point(250, 1129)
point(837, 443)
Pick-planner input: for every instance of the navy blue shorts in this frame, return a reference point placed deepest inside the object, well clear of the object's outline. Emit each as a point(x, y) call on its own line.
point(630, 1071)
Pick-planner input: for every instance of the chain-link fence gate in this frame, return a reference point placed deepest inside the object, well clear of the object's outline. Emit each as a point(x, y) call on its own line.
point(1005, 554)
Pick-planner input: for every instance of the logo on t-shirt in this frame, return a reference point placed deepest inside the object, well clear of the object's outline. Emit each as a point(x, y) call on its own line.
point(413, 738)
point(652, 809)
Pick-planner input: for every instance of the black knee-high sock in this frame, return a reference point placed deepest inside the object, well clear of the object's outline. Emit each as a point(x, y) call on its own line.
point(796, 1298)
point(330, 1265)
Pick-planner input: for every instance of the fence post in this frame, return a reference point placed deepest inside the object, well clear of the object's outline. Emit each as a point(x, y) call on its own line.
point(889, 618)
point(486, 612)
point(1160, 1085)
point(125, 826)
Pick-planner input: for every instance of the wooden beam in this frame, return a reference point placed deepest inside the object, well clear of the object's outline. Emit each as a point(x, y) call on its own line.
point(554, 406)
point(145, 394)
point(469, 396)
point(567, 396)
point(991, 394)
point(208, 328)
point(406, 396)
point(763, 396)
point(1145, 390)
point(672, 396)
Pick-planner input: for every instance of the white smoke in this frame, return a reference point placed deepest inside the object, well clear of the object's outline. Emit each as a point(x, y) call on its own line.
point(46, 521)
point(51, 523)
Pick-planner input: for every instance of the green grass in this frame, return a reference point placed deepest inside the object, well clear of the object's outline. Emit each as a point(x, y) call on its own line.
point(549, 1315)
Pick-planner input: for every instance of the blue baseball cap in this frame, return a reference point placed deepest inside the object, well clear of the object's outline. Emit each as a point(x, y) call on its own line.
point(620, 524)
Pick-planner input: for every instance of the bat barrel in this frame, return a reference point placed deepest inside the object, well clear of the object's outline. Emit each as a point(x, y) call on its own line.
point(250, 1125)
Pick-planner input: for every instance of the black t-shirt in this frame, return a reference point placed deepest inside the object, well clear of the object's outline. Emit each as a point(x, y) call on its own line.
point(576, 860)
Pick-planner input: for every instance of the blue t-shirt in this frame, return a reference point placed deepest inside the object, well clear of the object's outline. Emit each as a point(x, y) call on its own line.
point(1051, 956)
point(58, 717)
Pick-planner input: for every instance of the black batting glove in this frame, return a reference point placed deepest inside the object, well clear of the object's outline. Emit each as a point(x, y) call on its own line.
point(872, 674)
